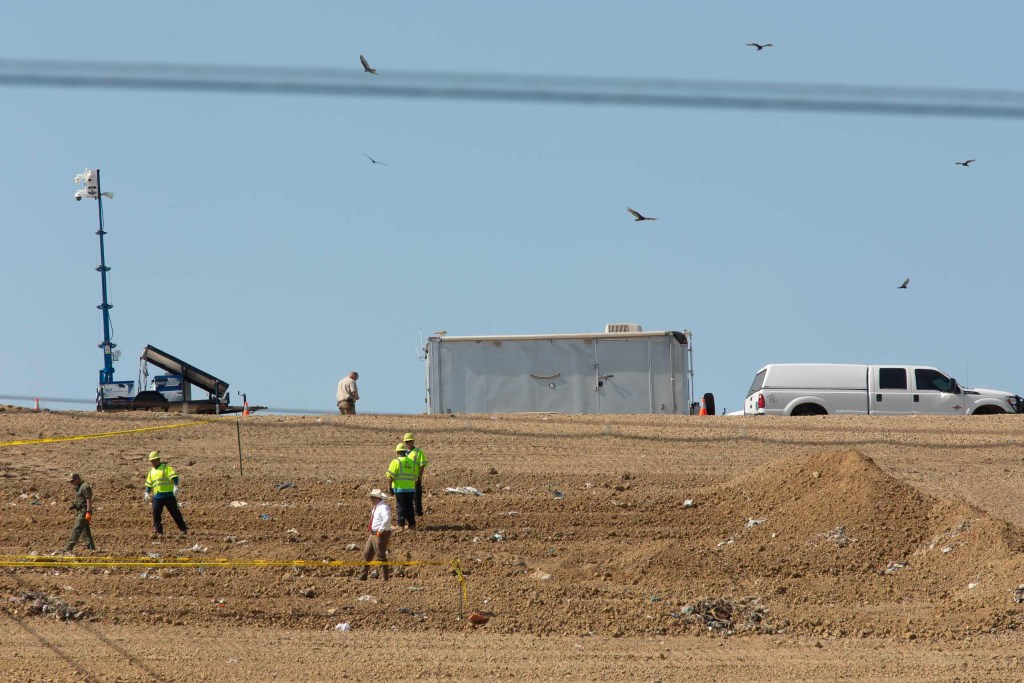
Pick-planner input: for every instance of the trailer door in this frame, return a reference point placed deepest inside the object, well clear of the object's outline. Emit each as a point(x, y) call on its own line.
point(622, 376)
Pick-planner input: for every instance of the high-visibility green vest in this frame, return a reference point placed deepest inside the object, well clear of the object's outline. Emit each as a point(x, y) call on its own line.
point(161, 479)
point(403, 474)
point(420, 457)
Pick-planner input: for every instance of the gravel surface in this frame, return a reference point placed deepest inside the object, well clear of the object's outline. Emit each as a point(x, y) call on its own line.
point(820, 547)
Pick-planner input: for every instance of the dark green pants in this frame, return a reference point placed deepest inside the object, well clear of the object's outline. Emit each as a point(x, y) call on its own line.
point(81, 530)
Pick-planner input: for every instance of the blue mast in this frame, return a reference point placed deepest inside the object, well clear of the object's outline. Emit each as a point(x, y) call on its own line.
point(107, 373)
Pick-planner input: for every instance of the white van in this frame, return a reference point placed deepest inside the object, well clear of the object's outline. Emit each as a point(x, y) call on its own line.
point(831, 389)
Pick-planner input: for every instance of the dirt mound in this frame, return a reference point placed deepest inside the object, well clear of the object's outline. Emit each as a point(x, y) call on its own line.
point(834, 533)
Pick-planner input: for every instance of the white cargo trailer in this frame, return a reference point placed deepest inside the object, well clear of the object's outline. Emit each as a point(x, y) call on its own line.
point(622, 370)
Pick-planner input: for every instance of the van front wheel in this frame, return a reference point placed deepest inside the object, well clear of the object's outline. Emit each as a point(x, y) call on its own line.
point(808, 409)
point(989, 410)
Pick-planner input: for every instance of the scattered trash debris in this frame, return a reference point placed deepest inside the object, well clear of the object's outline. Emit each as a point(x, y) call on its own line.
point(308, 592)
point(688, 503)
point(345, 627)
point(837, 536)
point(1018, 595)
point(478, 619)
point(655, 598)
point(540, 575)
point(237, 504)
point(233, 660)
point(292, 531)
point(720, 614)
point(725, 542)
point(264, 517)
point(366, 598)
point(947, 549)
point(41, 603)
point(894, 567)
point(497, 536)
point(751, 522)
point(559, 495)
point(972, 586)
point(464, 490)
point(284, 485)
point(352, 546)
point(196, 549)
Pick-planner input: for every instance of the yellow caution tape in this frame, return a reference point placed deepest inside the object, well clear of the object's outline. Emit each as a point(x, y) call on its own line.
point(102, 435)
point(72, 561)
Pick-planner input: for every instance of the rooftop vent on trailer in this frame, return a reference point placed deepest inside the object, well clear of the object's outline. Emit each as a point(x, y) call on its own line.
point(623, 327)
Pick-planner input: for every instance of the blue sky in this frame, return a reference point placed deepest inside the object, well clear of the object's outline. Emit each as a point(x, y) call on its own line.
point(251, 237)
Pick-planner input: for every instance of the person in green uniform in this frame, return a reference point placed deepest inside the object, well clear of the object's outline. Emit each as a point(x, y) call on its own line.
point(83, 507)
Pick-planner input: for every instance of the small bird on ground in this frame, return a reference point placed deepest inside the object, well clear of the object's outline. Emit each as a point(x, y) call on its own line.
point(965, 164)
point(638, 217)
point(759, 46)
point(366, 65)
point(373, 160)
point(905, 283)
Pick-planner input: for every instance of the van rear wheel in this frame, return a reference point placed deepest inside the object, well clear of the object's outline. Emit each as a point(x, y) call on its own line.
point(808, 409)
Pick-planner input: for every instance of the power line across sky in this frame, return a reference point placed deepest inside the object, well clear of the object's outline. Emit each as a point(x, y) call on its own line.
point(639, 92)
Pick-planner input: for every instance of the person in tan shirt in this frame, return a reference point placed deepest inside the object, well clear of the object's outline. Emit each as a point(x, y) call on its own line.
point(348, 394)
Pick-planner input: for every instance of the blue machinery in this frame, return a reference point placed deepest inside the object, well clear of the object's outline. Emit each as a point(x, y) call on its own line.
point(119, 395)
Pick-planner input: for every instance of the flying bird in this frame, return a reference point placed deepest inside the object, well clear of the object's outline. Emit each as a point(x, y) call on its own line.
point(965, 164)
point(373, 160)
point(759, 46)
point(638, 217)
point(905, 283)
point(441, 333)
point(366, 65)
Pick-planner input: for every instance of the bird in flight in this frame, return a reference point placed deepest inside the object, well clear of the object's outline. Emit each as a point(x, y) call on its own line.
point(905, 283)
point(366, 65)
point(638, 217)
point(441, 333)
point(965, 164)
point(759, 46)
point(373, 160)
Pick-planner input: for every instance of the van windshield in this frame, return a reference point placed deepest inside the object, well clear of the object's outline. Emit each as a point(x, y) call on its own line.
point(758, 382)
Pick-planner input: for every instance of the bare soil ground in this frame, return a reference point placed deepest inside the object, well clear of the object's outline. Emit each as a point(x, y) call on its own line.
point(814, 548)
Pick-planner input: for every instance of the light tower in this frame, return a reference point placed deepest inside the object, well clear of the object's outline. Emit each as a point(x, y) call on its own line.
point(91, 179)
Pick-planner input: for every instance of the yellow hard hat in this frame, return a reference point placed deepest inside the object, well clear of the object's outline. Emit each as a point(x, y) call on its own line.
point(400, 448)
point(154, 455)
point(408, 437)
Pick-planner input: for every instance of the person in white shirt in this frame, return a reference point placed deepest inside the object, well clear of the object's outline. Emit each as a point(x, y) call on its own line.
point(348, 394)
point(380, 534)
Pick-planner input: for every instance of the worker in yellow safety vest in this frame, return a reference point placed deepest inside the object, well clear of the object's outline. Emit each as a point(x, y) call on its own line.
point(402, 474)
point(420, 457)
point(162, 485)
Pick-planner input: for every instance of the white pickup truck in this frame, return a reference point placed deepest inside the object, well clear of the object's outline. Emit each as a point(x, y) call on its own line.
point(830, 389)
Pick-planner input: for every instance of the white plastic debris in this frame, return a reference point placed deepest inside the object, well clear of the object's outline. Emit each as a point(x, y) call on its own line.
point(237, 504)
point(688, 503)
point(366, 598)
point(540, 575)
point(196, 549)
point(894, 567)
point(352, 546)
point(726, 542)
point(343, 627)
point(972, 586)
point(464, 490)
point(292, 531)
point(947, 549)
point(751, 522)
point(1018, 595)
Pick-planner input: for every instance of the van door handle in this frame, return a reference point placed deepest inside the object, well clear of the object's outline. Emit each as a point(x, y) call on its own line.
point(917, 398)
point(878, 398)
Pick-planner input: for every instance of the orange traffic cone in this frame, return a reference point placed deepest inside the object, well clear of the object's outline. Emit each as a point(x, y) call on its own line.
point(245, 408)
point(703, 408)
point(37, 405)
